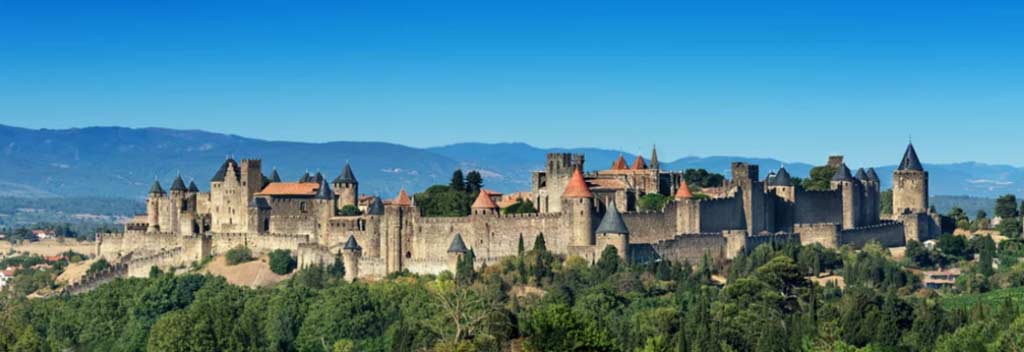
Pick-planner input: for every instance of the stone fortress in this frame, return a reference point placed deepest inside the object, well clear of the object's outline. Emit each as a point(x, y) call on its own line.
point(579, 214)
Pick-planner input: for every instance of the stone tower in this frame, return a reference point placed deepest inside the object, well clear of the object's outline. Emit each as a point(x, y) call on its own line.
point(745, 176)
point(910, 185)
point(578, 205)
point(153, 207)
point(782, 185)
point(178, 198)
point(350, 256)
point(872, 196)
point(484, 205)
point(558, 171)
point(347, 188)
point(612, 231)
point(324, 200)
point(455, 252)
point(852, 191)
point(394, 221)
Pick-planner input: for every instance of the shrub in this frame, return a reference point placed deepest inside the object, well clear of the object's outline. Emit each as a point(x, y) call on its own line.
point(98, 266)
point(350, 210)
point(281, 261)
point(238, 255)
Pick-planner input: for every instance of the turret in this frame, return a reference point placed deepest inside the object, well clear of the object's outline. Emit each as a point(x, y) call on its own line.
point(910, 185)
point(376, 207)
point(578, 203)
point(347, 188)
point(782, 185)
point(484, 205)
point(456, 250)
point(852, 192)
point(620, 163)
point(612, 231)
point(638, 163)
point(156, 193)
point(350, 255)
point(654, 158)
point(177, 198)
point(274, 177)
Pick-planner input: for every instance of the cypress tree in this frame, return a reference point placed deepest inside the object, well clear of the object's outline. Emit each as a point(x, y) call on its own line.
point(458, 183)
point(474, 182)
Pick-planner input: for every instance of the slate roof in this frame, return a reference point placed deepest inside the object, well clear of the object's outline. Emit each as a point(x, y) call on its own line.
point(351, 244)
point(872, 175)
point(782, 178)
point(318, 178)
point(305, 177)
point(376, 207)
point(654, 158)
point(324, 192)
point(346, 175)
point(910, 161)
point(192, 187)
point(156, 188)
point(842, 174)
point(612, 221)
point(861, 175)
point(178, 185)
point(274, 177)
point(457, 245)
point(223, 171)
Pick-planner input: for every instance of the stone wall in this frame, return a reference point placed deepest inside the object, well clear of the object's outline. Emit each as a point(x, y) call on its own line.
point(825, 234)
point(91, 282)
point(815, 207)
point(650, 227)
point(889, 234)
point(721, 214)
point(685, 248)
point(140, 266)
point(115, 245)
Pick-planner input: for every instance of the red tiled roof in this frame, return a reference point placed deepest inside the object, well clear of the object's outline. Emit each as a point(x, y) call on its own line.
point(484, 201)
point(619, 164)
point(684, 191)
point(639, 163)
point(402, 199)
point(290, 189)
point(510, 199)
point(577, 187)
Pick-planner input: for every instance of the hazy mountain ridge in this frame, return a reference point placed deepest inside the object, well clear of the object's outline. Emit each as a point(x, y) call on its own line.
point(122, 162)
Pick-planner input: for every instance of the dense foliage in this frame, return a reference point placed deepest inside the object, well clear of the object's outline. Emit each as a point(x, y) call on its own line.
point(540, 301)
point(238, 255)
point(820, 178)
point(455, 198)
point(652, 202)
point(281, 261)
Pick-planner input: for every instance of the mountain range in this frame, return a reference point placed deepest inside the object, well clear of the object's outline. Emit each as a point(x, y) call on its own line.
point(123, 162)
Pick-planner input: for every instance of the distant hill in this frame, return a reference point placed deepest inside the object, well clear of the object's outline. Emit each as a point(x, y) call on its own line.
point(122, 162)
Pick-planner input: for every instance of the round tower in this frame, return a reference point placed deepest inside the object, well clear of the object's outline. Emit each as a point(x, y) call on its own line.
point(612, 231)
point(910, 185)
point(347, 188)
point(852, 191)
point(578, 205)
point(350, 256)
point(456, 250)
point(153, 207)
point(484, 205)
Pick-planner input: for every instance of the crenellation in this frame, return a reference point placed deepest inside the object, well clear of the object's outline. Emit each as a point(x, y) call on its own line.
point(305, 217)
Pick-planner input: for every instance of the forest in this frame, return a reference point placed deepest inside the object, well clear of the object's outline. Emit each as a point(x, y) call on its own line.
point(776, 297)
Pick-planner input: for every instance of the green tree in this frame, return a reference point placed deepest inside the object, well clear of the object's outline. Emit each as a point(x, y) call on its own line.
point(281, 261)
point(820, 178)
point(521, 207)
point(458, 182)
point(98, 266)
point(1011, 339)
point(342, 312)
point(609, 263)
point(885, 206)
point(1006, 207)
point(239, 254)
point(349, 210)
point(652, 202)
point(474, 182)
point(443, 201)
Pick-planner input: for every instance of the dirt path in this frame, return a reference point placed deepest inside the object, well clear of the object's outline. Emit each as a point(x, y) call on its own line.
point(255, 273)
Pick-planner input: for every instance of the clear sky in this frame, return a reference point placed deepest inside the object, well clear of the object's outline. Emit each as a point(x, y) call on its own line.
point(791, 80)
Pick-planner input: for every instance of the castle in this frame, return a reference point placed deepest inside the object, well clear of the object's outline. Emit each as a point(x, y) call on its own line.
point(579, 214)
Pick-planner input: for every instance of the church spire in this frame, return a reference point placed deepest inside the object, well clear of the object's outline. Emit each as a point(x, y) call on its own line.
point(654, 158)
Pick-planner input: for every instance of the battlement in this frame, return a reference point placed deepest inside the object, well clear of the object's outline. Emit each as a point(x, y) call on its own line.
point(883, 224)
point(90, 282)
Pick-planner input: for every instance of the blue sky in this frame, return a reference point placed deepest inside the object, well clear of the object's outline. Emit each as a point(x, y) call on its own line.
point(791, 80)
